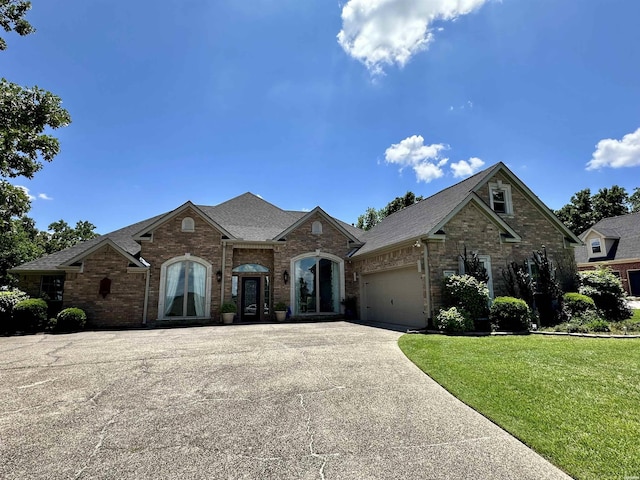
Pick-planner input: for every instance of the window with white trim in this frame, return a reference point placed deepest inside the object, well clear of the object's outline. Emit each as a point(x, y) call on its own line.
point(596, 246)
point(500, 197)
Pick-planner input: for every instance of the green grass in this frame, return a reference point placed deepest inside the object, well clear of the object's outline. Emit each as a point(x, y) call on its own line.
point(576, 401)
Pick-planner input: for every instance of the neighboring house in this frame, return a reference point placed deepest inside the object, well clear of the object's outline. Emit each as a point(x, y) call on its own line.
point(182, 265)
point(615, 243)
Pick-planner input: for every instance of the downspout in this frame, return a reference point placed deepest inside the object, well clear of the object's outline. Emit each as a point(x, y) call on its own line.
point(427, 283)
point(146, 298)
point(224, 263)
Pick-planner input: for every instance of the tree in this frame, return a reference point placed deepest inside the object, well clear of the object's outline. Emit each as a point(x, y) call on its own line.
point(368, 219)
point(61, 235)
point(585, 210)
point(12, 14)
point(372, 217)
point(21, 242)
point(25, 115)
point(578, 215)
point(610, 202)
point(634, 200)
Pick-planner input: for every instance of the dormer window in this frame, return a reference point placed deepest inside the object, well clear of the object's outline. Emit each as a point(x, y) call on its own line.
point(188, 225)
point(500, 198)
point(596, 246)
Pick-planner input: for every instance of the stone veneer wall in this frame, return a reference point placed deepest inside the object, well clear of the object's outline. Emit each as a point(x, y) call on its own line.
point(169, 241)
point(123, 306)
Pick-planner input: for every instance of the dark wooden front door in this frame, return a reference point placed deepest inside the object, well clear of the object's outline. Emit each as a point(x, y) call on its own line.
point(251, 304)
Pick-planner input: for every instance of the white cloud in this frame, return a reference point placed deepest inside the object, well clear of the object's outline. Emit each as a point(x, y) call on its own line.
point(26, 190)
point(386, 32)
point(464, 168)
point(424, 159)
point(44, 196)
point(617, 153)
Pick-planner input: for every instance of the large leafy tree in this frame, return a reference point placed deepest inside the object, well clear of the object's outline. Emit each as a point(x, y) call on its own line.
point(61, 235)
point(12, 14)
point(634, 200)
point(585, 210)
point(372, 217)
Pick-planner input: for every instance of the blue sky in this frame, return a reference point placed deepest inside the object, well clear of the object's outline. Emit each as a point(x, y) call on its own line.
point(342, 105)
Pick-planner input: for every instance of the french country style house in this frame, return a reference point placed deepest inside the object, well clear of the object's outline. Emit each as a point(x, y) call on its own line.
point(180, 266)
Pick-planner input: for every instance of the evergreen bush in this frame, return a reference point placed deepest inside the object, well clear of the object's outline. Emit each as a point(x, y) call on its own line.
point(606, 290)
point(577, 304)
point(30, 315)
point(69, 320)
point(8, 300)
point(511, 314)
point(453, 320)
point(467, 293)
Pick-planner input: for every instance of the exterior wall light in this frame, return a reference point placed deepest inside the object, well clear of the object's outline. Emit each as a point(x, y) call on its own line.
point(219, 276)
point(285, 277)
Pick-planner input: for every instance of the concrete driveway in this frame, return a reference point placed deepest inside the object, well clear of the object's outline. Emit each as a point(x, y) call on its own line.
point(317, 401)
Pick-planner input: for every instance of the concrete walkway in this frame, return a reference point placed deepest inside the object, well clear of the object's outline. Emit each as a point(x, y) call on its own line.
point(316, 401)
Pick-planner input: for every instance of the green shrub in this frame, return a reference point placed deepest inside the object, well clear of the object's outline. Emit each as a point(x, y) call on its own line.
point(468, 294)
point(69, 320)
point(280, 307)
point(30, 315)
point(228, 308)
point(577, 304)
point(509, 313)
point(454, 320)
point(598, 325)
point(606, 291)
point(8, 300)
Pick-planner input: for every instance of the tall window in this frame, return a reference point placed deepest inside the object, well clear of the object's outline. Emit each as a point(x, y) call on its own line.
point(318, 285)
point(185, 291)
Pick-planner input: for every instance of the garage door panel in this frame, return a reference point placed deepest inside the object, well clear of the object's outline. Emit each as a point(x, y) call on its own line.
point(395, 296)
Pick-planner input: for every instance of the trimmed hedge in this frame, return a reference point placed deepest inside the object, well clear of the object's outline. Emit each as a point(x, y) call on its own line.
point(454, 320)
point(30, 315)
point(577, 303)
point(509, 313)
point(69, 320)
point(8, 300)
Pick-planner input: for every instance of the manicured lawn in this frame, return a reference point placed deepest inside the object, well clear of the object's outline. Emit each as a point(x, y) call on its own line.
point(576, 401)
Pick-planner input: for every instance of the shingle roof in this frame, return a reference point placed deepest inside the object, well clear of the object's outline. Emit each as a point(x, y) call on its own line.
point(625, 229)
point(122, 237)
point(421, 217)
point(247, 217)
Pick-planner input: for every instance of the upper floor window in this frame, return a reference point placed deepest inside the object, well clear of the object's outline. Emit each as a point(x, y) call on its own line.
point(596, 246)
point(316, 228)
point(188, 225)
point(500, 197)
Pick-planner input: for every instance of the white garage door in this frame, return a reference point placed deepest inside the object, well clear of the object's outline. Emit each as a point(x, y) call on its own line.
point(394, 297)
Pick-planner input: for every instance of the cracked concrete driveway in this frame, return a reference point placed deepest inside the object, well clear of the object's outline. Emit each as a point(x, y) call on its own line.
point(325, 400)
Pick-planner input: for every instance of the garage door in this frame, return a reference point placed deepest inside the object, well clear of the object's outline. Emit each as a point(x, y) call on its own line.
point(394, 297)
point(634, 282)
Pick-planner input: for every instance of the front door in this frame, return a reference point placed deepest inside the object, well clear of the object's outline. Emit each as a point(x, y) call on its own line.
point(251, 304)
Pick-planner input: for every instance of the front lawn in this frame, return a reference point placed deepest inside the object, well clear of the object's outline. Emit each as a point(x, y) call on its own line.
point(576, 401)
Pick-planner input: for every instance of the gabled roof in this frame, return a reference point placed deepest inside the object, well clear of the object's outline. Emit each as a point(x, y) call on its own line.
point(185, 206)
point(340, 226)
point(426, 217)
point(122, 237)
point(623, 229)
point(246, 217)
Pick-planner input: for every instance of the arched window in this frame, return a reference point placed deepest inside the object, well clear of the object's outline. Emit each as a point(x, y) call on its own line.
point(185, 288)
point(188, 225)
point(316, 228)
point(318, 283)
